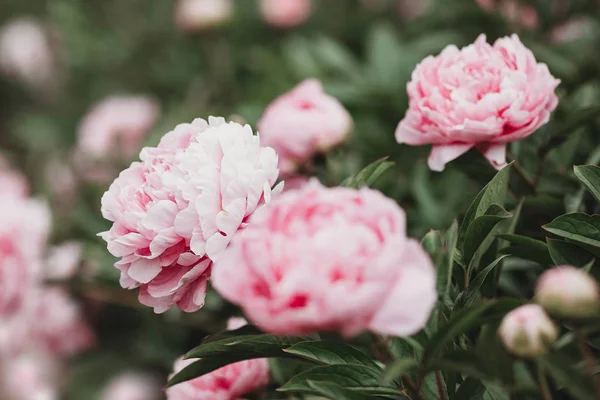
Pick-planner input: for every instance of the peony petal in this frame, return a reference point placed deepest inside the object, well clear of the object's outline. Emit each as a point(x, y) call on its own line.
point(144, 270)
point(495, 154)
point(442, 154)
point(160, 216)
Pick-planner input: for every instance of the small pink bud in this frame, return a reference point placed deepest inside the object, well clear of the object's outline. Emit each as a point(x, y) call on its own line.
point(527, 331)
point(568, 291)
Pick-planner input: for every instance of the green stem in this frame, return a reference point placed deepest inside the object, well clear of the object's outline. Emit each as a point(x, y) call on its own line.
point(440, 385)
point(589, 360)
point(382, 348)
point(543, 382)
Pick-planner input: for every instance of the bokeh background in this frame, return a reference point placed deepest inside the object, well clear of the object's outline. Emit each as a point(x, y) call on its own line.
point(75, 75)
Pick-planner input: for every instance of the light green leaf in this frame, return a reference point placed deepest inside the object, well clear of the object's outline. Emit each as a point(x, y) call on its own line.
point(251, 346)
point(480, 229)
point(369, 174)
point(326, 352)
point(467, 297)
point(349, 376)
point(578, 227)
point(445, 269)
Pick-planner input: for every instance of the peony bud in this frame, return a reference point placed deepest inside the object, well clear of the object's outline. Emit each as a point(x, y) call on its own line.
point(568, 291)
point(527, 331)
point(194, 15)
point(285, 13)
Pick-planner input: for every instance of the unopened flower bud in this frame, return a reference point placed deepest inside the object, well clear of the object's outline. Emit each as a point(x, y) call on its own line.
point(568, 291)
point(527, 331)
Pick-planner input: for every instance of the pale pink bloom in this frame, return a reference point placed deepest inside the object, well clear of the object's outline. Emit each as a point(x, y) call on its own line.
point(116, 124)
point(12, 184)
point(29, 376)
point(24, 227)
point(226, 383)
point(193, 15)
point(527, 331)
point(58, 324)
point(573, 29)
point(303, 122)
point(319, 259)
point(285, 13)
point(411, 9)
point(568, 291)
point(132, 386)
point(62, 182)
point(26, 55)
point(480, 96)
point(174, 212)
point(514, 11)
point(63, 260)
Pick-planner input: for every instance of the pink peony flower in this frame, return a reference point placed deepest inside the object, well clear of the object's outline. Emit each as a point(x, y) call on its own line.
point(226, 383)
point(285, 13)
point(118, 123)
point(132, 386)
point(24, 227)
point(481, 96)
point(191, 15)
point(63, 260)
point(568, 291)
point(58, 324)
point(30, 376)
point(26, 54)
point(329, 259)
point(295, 182)
point(13, 184)
point(527, 331)
point(174, 212)
point(303, 122)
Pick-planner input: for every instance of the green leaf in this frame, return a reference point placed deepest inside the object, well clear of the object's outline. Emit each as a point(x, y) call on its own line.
point(564, 373)
point(263, 345)
point(493, 355)
point(480, 229)
point(578, 227)
point(445, 269)
point(565, 253)
point(349, 376)
point(335, 392)
point(493, 192)
point(370, 173)
point(470, 389)
point(398, 368)
point(460, 361)
point(563, 132)
point(527, 248)
point(589, 175)
point(326, 352)
point(465, 320)
point(467, 297)
point(202, 367)
point(432, 242)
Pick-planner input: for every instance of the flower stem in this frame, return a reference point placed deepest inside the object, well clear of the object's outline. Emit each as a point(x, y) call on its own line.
point(589, 360)
point(440, 385)
point(543, 382)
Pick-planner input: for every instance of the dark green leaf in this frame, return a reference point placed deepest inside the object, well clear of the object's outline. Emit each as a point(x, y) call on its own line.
point(202, 367)
point(460, 361)
point(325, 352)
point(444, 272)
point(527, 248)
point(493, 192)
point(370, 173)
point(565, 374)
point(589, 175)
point(578, 227)
point(398, 368)
point(335, 392)
point(467, 297)
point(432, 242)
point(563, 132)
point(565, 253)
point(480, 229)
point(349, 376)
point(470, 389)
point(263, 345)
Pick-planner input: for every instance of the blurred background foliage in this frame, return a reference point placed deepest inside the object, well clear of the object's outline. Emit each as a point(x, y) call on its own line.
point(362, 51)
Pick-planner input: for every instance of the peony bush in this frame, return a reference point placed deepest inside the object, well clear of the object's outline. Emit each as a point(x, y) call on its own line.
point(374, 199)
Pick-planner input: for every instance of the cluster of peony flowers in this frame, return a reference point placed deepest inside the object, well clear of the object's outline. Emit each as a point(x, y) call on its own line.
point(41, 324)
point(175, 211)
point(564, 291)
point(312, 247)
point(302, 123)
point(226, 383)
point(482, 96)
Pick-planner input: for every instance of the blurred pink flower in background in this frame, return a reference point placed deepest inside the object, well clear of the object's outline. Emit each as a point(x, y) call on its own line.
point(329, 259)
point(480, 96)
point(302, 123)
point(514, 11)
point(295, 182)
point(62, 183)
point(226, 383)
point(573, 29)
point(193, 15)
point(285, 13)
point(13, 184)
point(26, 54)
point(174, 212)
point(58, 324)
point(63, 260)
point(113, 129)
point(30, 376)
point(411, 9)
point(132, 386)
